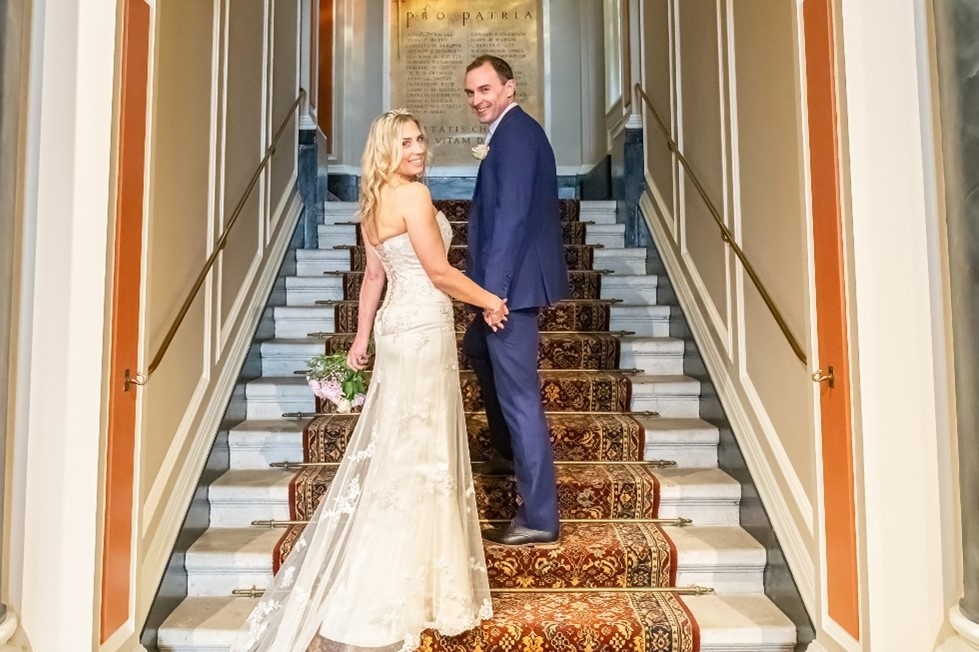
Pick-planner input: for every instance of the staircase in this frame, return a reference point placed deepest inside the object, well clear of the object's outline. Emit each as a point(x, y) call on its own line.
point(613, 538)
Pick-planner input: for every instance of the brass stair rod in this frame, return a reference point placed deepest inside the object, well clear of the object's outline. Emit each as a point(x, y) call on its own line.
point(349, 223)
point(583, 244)
point(655, 464)
point(677, 522)
point(680, 590)
point(627, 413)
point(334, 302)
point(325, 334)
point(626, 372)
point(341, 272)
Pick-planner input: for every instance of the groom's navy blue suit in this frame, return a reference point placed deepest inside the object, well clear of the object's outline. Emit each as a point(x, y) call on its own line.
point(516, 250)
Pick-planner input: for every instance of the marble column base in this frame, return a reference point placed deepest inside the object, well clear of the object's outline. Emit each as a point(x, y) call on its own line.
point(12, 636)
point(968, 633)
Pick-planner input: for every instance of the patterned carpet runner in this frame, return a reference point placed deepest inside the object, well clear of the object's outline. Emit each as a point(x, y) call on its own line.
point(606, 497)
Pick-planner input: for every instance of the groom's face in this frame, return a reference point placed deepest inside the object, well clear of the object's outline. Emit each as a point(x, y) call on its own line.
point(488, 94)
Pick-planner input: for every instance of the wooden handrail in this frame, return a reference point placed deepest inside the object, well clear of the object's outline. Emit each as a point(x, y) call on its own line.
point(218, 247)
point(726, 235)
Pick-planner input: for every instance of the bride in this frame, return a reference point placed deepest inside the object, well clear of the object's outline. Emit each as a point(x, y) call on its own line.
point(394, 547)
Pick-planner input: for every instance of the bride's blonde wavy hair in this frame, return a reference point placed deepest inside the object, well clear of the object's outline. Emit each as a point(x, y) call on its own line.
point(382, 156)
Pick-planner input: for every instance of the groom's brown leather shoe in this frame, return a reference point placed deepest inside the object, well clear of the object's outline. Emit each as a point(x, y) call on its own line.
point(497, 466)
point(520, 536)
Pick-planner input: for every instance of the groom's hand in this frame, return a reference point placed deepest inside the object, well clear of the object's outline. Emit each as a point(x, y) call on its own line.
point(495, 318)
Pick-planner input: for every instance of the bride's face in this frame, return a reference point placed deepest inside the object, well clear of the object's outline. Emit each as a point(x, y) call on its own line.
point(413, 150)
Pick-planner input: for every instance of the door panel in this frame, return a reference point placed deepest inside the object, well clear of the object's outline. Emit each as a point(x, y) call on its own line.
point(840, 569)
point(120, 453)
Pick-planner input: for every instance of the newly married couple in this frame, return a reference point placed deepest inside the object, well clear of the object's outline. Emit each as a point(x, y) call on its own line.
point(395, 546)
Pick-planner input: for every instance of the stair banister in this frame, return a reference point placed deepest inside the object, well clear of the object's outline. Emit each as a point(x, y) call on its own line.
point(142, 379)
point(726, 234)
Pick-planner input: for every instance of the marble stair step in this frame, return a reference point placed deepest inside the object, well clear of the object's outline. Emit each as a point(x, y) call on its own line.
point(241, 496)
point(282, 356)
point(670, 396)
point(339, 211)
point(307, 290)
point(728, 623)
point(629, 288)
point(598, 211)
point(607, 234)
point(269, 397)
point(621, 260)
point(638, 289)
point(642, 320)
point(707, 496)
point(558, 350)
point(590, 555)
point(690, 443)
point(577, 257)
point(300, 321)
point(257, 443)
point(334, 235)
point(314, 262)
point(653, 355)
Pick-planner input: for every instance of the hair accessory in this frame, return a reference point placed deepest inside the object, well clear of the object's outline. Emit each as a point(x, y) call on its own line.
point(401, 111)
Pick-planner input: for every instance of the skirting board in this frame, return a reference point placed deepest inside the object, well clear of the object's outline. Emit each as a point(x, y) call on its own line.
point(790, 537)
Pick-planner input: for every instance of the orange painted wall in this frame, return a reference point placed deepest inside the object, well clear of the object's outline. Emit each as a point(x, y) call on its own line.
point(843, 588)
point(118, 528)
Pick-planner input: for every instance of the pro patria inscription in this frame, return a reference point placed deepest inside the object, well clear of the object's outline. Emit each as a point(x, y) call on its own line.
point(434, 40)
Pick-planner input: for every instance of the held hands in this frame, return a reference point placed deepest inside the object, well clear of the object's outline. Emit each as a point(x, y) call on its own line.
point(357, 357)
point(494, 318)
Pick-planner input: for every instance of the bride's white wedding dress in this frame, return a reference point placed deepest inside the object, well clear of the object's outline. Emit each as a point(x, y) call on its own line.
point(394, 547)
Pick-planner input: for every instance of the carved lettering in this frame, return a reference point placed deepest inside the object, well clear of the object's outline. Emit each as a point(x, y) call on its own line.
point(429, 54)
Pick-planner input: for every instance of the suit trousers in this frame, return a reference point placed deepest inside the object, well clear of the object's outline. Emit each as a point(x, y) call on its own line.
point(505, 363)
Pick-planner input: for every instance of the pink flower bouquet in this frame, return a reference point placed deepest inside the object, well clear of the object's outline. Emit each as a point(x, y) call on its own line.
point(329, 378)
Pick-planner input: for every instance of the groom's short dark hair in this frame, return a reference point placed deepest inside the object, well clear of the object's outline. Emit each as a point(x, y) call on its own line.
point(501, 67)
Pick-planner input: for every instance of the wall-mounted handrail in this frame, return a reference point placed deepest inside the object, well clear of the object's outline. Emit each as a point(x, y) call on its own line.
point(218, 247)
point(726, 235)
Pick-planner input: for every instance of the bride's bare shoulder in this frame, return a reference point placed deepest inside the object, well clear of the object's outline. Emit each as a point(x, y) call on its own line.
point(415, 192)
point(416, 200)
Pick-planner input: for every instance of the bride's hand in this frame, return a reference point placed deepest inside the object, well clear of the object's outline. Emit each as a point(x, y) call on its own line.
point(357, 357)
point(494, 317)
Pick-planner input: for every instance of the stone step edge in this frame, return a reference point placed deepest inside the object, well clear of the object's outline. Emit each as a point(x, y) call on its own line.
point(733, 622)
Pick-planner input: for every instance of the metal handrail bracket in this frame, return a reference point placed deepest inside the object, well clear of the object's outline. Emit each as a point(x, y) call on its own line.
point(726, 234)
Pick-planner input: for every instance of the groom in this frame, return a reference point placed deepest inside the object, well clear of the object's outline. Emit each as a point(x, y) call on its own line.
point(516, 250)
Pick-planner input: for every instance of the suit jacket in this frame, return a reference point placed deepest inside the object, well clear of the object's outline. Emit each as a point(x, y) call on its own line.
point(515, 240)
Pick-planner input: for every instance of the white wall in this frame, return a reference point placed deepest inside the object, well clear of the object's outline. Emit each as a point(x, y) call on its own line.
point(223, 76)
point(899, 323)
point(57, 399)
point(726, 77)
point(730, 77)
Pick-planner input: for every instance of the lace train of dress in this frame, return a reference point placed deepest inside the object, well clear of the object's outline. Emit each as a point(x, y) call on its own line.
point(394, 547)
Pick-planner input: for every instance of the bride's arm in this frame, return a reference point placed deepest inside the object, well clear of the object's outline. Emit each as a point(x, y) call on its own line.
point(370, 297)
point(427, 242)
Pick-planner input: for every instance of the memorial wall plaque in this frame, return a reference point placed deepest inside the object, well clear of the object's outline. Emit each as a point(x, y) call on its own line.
point(432, 43)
